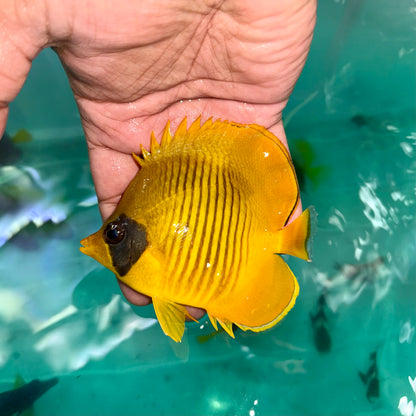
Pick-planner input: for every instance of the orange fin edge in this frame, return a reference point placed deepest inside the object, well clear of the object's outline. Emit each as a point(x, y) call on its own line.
point(279, 317)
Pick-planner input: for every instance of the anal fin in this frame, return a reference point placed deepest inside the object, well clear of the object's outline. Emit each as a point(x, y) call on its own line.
point(261, 306)
point(213, 321)
point(228, 327)
point(171, 317)
point(225, 323)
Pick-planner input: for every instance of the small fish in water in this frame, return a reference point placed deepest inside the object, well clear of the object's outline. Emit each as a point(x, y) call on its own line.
point(371, 380)
point(360, 120)
point(200, 224)
point(22, 136)
point(21, 398)
point(304, 160)
point(319, 322)
point(9, 152)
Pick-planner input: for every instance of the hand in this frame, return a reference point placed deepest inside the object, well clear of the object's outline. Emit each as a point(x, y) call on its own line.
point(135, 65)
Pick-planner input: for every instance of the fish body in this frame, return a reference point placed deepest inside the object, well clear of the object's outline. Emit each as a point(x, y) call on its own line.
point(17, 400)
point(319, 323)
point(9, 152)
point(201, 222)
point(371, 379)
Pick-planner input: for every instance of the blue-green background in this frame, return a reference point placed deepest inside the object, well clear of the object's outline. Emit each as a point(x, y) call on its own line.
point(354, 107)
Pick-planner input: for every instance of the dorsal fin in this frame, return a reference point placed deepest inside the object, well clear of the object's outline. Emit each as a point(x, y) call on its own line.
point(261, 164)
point(181, 130)
point(166, 136)
point(145, 153)
point(195, 127)
point(154, 144)
point(138, 159)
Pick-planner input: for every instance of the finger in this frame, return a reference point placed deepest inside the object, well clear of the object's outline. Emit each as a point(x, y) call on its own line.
point(112, 171)
point(3, 118)
point(279, 131)
point(139, 299)
point(196, 313)
point(134, 297)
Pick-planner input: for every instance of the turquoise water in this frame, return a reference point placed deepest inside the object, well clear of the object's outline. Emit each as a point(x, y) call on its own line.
point(352, 131)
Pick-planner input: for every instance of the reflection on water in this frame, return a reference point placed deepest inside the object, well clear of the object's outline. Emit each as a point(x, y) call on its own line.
point(374, 209)
point(62, 316)
point(291, 366)
point(35, 191)
point(406, 406)
point(63, 339)
point(25, 199)
point(348, 281)
point(407, 332)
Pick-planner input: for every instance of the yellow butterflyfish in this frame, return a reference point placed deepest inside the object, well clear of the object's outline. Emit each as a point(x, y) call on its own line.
point(202, 224)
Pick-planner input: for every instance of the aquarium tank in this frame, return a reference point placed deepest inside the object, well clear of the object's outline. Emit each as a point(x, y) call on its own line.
point(71, 345)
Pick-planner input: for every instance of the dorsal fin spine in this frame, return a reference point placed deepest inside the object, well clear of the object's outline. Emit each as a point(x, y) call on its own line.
point(145, 153)
point(181, 130)
point(154, 144)
point(140, 161)
point(195, 128)
point(166, 136)
point(207, 124)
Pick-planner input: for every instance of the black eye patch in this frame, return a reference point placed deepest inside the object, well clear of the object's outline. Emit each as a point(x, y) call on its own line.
point(126, 240)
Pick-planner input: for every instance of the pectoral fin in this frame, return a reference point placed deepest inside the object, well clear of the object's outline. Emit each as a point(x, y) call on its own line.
point(171, 317)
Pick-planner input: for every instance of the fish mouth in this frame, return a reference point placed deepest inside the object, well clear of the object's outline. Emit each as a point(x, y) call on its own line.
point(83, 249)
point(93, 246)
point(87, 246)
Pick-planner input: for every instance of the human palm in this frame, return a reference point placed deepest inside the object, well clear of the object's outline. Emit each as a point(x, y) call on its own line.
point(135, 65)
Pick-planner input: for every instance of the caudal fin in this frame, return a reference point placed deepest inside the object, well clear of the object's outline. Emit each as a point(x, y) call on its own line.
point(293, 239)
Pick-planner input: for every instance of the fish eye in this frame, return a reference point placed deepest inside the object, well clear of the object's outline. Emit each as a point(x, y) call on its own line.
point(114, 232)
